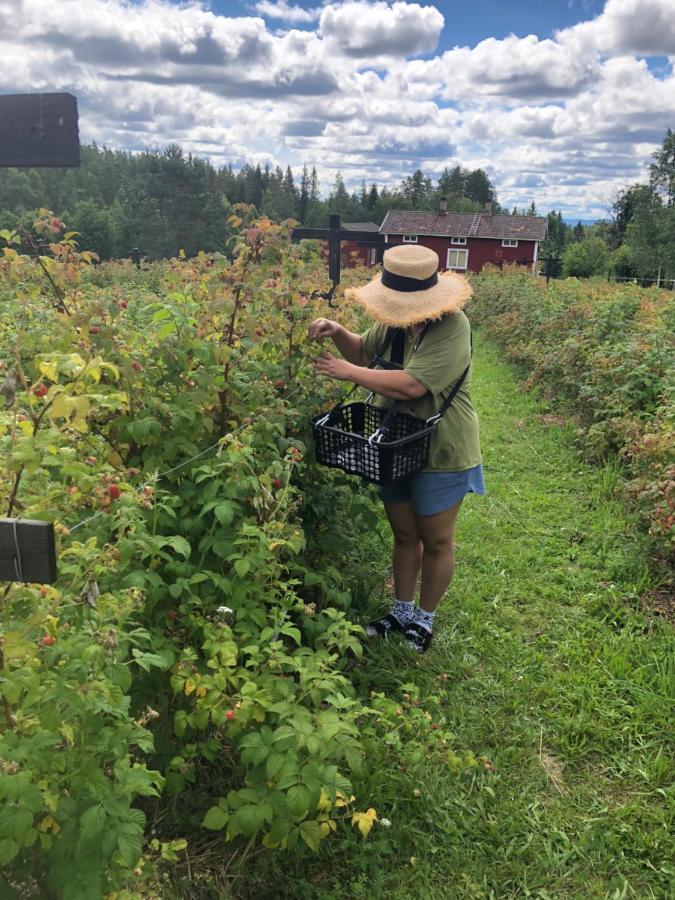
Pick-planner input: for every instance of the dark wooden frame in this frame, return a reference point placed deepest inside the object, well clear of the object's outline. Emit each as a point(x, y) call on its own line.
point(334, 235)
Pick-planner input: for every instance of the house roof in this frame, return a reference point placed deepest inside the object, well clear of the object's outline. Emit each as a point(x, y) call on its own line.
point(525, 228)
point(361, 226)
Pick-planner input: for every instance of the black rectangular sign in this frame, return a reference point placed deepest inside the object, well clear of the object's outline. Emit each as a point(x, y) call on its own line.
point(39, 130)
point(27, 551)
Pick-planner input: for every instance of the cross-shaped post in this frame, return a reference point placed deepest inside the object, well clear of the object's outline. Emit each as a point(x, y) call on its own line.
point(334, 235)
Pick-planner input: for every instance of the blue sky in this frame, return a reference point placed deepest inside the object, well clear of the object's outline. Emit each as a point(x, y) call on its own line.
point(560, 101)
point(469, 23)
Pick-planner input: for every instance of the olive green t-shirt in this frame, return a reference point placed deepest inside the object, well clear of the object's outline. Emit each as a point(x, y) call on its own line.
point(443, 355)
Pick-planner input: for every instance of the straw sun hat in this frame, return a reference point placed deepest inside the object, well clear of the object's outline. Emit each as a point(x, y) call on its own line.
point(410, 289)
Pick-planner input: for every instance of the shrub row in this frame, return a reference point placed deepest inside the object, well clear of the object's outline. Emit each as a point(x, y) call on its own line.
point(605, 355)
point(190, 665)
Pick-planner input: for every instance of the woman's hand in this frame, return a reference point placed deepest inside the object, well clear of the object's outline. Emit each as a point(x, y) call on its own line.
point(323, 328)
point(332, 367)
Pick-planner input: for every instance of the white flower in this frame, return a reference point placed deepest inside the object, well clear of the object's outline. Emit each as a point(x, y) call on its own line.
point(385, 823)
point(224, 611)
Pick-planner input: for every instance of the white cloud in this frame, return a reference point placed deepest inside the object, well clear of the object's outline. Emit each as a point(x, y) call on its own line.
point(643, 27)
point(281, 9)
point(564, 121)
point(371, 30)
point(517, 68)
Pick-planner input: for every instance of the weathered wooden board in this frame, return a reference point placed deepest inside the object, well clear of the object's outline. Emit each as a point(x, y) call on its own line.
point(39, 130)
point(27, 551)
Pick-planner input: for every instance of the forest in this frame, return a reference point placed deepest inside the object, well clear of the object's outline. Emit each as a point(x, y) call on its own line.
point(163, 201)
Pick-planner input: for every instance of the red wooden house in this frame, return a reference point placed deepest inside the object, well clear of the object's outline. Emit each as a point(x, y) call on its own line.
point(365, 254)
point(467, 241)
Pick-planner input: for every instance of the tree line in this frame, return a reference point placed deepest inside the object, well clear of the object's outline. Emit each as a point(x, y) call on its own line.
point(165, 200)
point(637, 240)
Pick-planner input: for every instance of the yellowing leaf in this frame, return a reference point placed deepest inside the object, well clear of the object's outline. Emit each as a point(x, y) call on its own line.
point(189, 687)
point(341, 800)
point(326, 827)
point(82, 405)
point(68, 733)
point(324, 801)
point(364, 821)
point(48, 369)
point(49, 823)
point(201, 691)
point(62, 406)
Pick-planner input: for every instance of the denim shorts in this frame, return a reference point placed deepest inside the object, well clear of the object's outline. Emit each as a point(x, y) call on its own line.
point(433, 492)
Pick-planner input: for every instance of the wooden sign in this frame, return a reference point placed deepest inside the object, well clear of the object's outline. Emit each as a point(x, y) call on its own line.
point(39, 130)
point(27, 551)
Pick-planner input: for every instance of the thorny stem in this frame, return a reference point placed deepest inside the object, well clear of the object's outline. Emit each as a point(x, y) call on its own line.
point(61, 297)
point(5, 701)
point(229, 342)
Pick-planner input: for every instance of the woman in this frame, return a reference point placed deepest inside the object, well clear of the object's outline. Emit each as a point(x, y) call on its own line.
point(422, 508)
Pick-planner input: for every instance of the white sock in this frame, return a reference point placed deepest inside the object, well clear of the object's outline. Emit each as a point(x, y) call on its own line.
point(424, 618)
point(403, 610)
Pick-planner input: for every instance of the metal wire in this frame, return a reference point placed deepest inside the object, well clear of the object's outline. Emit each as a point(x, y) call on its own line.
point(180, 465)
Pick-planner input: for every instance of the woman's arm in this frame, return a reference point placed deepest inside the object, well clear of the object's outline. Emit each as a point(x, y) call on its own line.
point(396, 384)
point(349, 344)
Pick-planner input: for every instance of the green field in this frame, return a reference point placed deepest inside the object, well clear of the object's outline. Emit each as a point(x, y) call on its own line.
point(190, 712)
point(557, 682)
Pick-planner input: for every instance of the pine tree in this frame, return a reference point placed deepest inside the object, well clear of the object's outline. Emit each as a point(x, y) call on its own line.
point(662, 170)
point(339, 197)
point(314, 186)
point(303, 199)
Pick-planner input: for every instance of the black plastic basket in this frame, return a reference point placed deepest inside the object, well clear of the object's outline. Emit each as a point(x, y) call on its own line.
point(381, 445)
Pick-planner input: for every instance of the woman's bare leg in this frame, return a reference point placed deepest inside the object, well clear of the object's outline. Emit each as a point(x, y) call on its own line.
point(438, 561)
point(407, 557)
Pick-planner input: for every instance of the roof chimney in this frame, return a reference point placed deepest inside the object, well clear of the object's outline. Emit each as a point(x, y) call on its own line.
point(487, 208)
point(443, 207)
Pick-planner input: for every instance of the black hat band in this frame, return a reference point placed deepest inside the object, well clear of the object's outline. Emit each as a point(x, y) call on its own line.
point(408, 285)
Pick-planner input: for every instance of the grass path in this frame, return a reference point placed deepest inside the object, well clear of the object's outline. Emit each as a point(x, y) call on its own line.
point(554, 674)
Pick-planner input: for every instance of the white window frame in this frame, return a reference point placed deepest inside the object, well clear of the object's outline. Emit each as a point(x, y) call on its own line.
point(460, 241)
point(509, 242)
point(409, 238)
point(373, 256)
point(463, 268)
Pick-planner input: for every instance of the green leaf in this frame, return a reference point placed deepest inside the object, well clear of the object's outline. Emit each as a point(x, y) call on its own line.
point(215, 819)
point(8, 850)
point(130, 842)
point(298, 800)
point(311, 834)
point(92, 822)
point(224, 512)
point(241, 567)
point(179, 544)
point(148, 660)
point(274, 763)
point(247, 820)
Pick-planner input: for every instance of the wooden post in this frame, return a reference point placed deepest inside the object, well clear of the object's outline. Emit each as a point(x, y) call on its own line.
point(334, 235)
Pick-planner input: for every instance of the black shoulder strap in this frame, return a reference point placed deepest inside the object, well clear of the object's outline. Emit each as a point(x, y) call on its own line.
point(396, 338)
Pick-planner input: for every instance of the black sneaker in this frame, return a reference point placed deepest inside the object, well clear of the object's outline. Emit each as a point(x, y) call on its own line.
point(381, 627)
point(417, 637)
